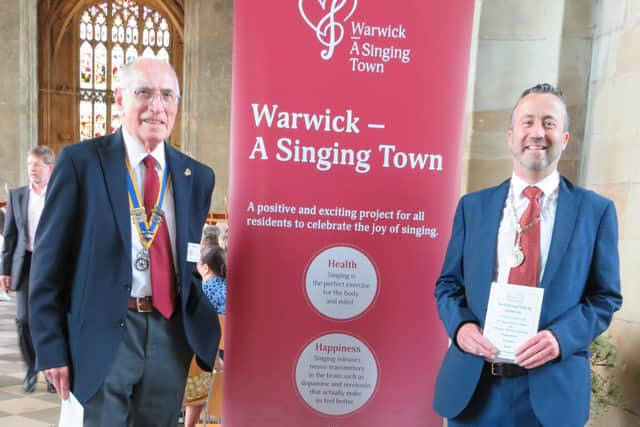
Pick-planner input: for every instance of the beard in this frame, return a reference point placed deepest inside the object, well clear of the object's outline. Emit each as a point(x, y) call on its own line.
point(543, 158)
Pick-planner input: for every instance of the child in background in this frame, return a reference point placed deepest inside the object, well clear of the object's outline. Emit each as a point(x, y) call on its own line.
point(213, 269)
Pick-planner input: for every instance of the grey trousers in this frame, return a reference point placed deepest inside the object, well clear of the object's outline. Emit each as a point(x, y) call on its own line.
point(146, 384)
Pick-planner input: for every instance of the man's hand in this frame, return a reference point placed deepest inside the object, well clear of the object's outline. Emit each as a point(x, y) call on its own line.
point(470, 339)
point(538, 350)
point(59, 377)
point(5, 283)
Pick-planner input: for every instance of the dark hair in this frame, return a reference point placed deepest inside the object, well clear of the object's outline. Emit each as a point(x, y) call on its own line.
point(544, 88)
point(45, 153)
point(216, 259)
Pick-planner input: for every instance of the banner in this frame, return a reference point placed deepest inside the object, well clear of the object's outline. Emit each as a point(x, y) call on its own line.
point(347, 120)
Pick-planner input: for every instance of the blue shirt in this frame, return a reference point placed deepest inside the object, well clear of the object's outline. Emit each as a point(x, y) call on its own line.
point(215, 288)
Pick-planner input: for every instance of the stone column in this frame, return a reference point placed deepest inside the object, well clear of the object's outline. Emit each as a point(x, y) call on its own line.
point(207, 91)
point(18, 90)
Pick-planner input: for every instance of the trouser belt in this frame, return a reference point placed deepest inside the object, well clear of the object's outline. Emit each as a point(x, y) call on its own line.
point(508, 370)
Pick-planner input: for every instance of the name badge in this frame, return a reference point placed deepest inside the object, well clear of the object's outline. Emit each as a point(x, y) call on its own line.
point(193, 252)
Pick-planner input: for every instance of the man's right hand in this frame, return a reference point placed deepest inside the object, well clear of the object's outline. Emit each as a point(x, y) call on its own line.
point(5, 283)
point(471, 340)
point(59, 377)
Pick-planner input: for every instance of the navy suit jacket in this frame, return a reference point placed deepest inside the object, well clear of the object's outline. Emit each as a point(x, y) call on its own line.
point(81, 270)
point(581, 292)
point(16, 237)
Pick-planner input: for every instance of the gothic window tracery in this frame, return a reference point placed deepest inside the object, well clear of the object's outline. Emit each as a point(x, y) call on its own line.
point(113, 33)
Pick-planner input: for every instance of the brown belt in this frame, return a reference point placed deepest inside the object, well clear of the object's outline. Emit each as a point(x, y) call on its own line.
point(508, 370)
point(142, 304)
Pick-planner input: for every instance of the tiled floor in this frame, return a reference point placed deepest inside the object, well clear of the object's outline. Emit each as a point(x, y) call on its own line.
point(17, 409)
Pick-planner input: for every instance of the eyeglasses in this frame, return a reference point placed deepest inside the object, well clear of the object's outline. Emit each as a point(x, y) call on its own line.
point(145, 95)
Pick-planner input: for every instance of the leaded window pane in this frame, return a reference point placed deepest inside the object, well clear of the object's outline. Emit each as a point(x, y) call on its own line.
point(109, 38)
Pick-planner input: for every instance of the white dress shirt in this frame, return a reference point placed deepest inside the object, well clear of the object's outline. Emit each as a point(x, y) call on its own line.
point(141, 280)
point(508, 225)
point(34, 210)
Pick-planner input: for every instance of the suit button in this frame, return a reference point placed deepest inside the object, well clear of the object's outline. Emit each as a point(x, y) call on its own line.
point(127, 286)
point(122, 324)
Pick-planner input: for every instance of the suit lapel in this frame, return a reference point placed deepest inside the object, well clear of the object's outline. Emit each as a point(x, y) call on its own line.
point(181, 183)
point(565, 220)
point(112, 155)
point(490, 218)
point(491, 224)
point(23, 209)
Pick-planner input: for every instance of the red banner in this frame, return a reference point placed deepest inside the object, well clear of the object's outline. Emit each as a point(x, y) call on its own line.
point(347, 121)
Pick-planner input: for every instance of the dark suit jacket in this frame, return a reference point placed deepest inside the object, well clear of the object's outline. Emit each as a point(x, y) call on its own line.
point(581, 292)
point(81, 272)
point(16, 237)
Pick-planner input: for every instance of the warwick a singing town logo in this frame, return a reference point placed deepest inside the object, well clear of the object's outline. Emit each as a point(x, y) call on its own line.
point(330, 14)
point(373, 47)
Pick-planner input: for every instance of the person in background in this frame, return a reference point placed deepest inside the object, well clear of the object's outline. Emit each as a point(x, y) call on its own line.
point(23, 215)
point(213, 269)
point(210, 236)
point(4, 296)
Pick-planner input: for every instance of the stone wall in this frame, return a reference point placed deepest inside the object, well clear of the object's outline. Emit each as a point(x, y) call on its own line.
point(610, 167)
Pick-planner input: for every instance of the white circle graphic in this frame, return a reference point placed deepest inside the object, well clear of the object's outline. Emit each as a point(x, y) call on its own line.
point(336, 374)
point(341, 282)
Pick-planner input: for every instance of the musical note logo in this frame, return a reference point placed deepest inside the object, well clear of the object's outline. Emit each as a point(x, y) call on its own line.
point(329, 30)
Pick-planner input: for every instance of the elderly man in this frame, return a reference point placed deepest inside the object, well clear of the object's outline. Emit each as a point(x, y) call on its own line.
point(116, 307)
point(23, 214)
point(535, 229)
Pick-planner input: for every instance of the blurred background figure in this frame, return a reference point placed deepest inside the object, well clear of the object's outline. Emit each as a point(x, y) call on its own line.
point(213, 269)
point(4, 296)
point(23, 215)
point(210, 236)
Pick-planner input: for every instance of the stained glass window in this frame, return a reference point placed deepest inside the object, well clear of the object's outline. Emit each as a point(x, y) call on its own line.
point(109, 38)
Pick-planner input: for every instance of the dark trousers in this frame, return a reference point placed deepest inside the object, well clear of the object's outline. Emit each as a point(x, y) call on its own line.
point(498, 402)
point(22, 319)
point(146, 384)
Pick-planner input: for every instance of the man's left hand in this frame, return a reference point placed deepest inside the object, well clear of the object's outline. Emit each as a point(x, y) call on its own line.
point(538, 350)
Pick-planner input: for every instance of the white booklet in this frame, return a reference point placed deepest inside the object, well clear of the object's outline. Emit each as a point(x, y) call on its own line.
point(71, 412)
point(513, 315)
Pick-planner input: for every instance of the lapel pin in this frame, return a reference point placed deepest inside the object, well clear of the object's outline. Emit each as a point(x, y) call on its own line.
point(187, 172)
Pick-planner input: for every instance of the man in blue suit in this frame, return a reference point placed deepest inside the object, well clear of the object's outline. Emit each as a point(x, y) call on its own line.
point(116, 308)
point(578, 268)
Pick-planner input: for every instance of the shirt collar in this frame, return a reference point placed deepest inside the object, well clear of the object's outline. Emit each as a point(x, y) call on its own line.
point(548, 184)
point(33, 191)
point(136, 152)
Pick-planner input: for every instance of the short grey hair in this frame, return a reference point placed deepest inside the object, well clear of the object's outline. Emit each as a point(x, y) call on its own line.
point(45, 153)
point(544, 88)
point(126, 69)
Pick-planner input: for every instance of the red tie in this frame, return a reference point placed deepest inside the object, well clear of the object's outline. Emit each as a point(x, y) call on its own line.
point(162, 279)
point(527, 272)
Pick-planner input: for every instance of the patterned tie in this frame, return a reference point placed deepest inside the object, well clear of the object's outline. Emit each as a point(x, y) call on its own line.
point(527, 272)
point(161, 260)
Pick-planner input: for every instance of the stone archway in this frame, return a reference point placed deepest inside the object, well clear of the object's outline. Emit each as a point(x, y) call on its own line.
point(59, 58)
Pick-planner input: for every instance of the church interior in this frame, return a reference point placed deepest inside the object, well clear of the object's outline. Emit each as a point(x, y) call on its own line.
point(60, 59)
